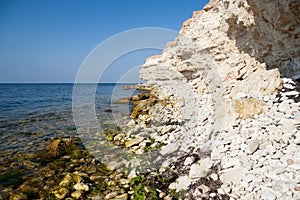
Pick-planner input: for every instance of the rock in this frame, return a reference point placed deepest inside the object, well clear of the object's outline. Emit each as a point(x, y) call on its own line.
point(268, 194)
point(121, 197)
point(167, 129)
point(81, 187)
point(204, 189)
point(113, 165)
point(214, 176)
point(291, 93)
point(182, 183)
point(284, 107)
point(133, 142)
point(200, 169)
point(189, 161)
point(132, 174)
point(248, 107)
point(58, 147)
point(253, 146)
point(20, 196)
point(76, 194)
point(61, 193)
point(169, 148)
point(297, 140)
point(233, 175)
point(111, 195)
point(67, 180)
point(231, 162)
point(288, 86)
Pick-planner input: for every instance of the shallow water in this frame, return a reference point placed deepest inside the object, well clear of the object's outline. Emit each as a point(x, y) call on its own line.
point(30, 114)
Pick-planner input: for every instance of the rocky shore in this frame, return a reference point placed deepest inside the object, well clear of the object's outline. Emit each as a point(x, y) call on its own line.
point(218, 118)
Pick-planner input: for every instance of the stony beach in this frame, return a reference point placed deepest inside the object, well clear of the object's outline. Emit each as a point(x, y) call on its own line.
point(218, 118)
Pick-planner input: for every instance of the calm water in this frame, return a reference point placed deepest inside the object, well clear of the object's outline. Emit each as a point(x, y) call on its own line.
point(32, 113)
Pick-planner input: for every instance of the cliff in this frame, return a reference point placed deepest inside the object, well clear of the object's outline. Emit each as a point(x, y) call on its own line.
point(230, 76)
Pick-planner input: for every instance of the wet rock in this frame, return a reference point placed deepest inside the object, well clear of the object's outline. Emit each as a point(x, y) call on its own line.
point(76, 194)
point(67, 180)
point(58, 147)
point(133, 142)
point(61, 193)
point(81, 187)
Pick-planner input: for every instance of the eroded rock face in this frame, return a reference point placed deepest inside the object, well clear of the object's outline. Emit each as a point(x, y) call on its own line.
point(242, 46)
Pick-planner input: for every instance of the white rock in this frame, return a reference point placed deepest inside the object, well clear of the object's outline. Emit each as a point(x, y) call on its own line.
point(284, 107)
point(167, 129)
point(266, 98)
point(297, 140)
point(81, 187)
point(214, 176)
point(182, 183)
point(231, 162)
point(169, 148)
point(268, 194)
point(132, 173)
point(253, 146)
point(200, 169)
point(291, 93)
point(204, 189)
point(233, 175)
point(288, 86)
point(189, 161)
point(135, 141)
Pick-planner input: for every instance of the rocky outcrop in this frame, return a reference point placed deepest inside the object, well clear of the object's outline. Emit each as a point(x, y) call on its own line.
point(224, 74)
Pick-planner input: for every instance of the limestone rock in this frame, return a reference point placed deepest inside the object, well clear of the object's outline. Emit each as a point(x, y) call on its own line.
point(233, 175)
point(201, 168)
point(132, 142)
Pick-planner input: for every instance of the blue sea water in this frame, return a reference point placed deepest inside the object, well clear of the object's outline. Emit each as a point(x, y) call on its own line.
point(33, 113)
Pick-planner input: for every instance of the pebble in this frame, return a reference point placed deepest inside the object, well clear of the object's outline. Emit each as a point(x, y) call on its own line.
point(81, 187)
point(200, 169)
point(189, 161)
point(133, 142)
point(253, 146)
point(111, 195)
point(169, 148)
point(61, 193)
point(76, 194)
point(268, 194)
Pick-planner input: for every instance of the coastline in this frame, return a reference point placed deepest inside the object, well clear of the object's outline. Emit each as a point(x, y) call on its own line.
point(218, 118)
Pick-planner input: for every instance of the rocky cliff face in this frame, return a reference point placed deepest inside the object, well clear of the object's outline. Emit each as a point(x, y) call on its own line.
point(242, 46)
point(224, 71)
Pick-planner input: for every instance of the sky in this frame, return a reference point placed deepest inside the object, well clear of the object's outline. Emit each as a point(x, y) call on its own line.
point(48, 40)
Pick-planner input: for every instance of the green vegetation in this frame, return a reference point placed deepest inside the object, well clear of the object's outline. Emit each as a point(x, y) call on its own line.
point(145, 188)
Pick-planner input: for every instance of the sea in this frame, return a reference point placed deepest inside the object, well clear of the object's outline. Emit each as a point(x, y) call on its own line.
point(31, 114)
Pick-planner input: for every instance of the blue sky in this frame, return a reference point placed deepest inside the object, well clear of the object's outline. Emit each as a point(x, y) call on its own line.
point(47, 40)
